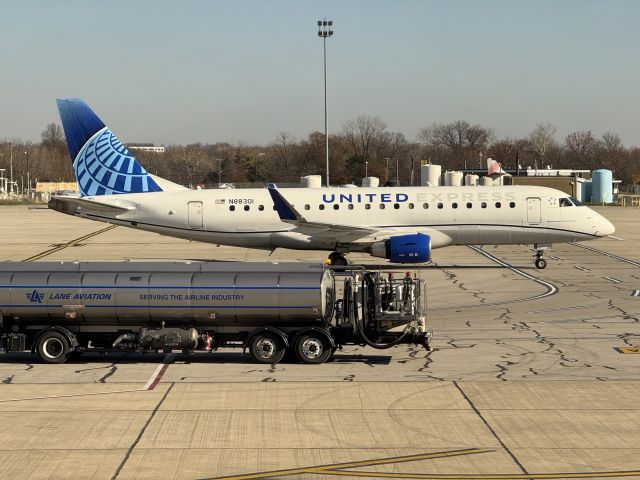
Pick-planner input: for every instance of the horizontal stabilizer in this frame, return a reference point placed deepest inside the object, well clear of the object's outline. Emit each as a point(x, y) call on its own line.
point(72, 205)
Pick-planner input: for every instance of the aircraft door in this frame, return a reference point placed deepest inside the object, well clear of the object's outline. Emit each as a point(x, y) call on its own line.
point(194, 218)
point(534, 213)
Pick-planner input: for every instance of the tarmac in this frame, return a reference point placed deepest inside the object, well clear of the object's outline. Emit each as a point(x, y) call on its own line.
point(535, 374)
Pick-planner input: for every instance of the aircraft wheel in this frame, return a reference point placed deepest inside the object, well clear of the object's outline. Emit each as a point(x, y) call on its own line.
point(266, 348)
point(337, 259)
point(541, 263)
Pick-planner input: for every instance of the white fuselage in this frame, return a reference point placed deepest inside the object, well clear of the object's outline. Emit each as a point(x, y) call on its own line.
point(450, 215)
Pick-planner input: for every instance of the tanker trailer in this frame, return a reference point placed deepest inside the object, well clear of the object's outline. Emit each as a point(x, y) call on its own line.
point(60, 309)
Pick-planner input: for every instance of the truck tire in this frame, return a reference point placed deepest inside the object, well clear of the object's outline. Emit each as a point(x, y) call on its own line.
point(313, 347)
point(266, 347)
point(53, 347)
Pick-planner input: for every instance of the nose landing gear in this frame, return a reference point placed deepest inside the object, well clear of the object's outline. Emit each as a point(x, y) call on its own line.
point(540, 262)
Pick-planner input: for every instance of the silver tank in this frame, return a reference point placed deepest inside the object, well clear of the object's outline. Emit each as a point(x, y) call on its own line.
point(135, 293)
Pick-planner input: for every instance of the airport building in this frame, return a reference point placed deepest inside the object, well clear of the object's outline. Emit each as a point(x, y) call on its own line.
point(145, 147)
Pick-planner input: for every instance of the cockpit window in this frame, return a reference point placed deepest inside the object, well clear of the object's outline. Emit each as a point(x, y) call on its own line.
point(576, 202)
point(565, 202)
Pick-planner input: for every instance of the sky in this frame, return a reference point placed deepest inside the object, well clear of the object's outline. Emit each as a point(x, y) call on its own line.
point(242, 71)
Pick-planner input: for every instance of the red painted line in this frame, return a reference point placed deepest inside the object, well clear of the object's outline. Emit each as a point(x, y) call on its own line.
point(158, 376)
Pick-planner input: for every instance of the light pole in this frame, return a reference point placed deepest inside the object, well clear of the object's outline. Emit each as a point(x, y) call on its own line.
point(324, 31)
point(366, 169)
point(219, 171)
point(386, 172)
point(11, 166)
point(28, 178)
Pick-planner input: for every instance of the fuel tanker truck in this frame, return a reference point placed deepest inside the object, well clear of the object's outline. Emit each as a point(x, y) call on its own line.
point(62, 309)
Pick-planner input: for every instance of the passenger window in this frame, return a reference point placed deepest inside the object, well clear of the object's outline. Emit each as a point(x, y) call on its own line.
point(350, 206)
point(440, 205)
point(232, 207)
point(307, 207)
point(512, 205)
point(411, 206)
point(454, 205)
point(246, 208)
point(498, 204)
point(425, 205)
point(483, 205)
point(367, 206)
point(336, 207)
point(382, 206)
point(396, 206)
point(469, 205)
point(321, 207)
point(261, 207)
point(274, 207)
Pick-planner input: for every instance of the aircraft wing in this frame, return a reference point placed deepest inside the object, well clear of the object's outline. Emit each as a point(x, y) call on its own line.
point(346, 233)
point(72, 205)
point(341, 233)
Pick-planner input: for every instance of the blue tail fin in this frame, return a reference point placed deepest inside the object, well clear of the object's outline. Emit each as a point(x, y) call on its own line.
point(102, 164)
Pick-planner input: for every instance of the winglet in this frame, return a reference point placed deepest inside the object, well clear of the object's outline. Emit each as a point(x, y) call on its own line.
point(285, 210)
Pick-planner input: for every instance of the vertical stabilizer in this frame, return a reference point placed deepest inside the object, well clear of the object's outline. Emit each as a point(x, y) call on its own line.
point(102, 164)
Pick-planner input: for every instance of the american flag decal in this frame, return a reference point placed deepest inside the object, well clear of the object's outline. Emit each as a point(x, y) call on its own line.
point(219, 201)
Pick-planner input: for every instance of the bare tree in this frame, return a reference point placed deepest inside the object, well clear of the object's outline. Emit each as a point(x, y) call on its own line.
point(611, 142)
point(52, 136)
point(582, 144)
point(541, 139)
point(457, 142)
point(363, 134)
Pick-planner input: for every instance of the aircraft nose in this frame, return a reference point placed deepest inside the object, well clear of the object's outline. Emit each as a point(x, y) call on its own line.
point(604, 227)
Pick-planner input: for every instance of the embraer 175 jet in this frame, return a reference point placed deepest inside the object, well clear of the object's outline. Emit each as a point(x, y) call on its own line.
point(401, 224)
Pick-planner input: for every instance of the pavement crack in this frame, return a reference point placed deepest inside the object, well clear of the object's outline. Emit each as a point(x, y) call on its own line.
point(428, 360)
point(141, 433)
point(625, 314)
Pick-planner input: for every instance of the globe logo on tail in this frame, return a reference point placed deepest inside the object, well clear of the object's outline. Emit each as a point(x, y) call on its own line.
point(104, 166)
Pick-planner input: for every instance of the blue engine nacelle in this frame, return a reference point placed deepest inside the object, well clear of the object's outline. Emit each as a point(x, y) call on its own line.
point(411, 248)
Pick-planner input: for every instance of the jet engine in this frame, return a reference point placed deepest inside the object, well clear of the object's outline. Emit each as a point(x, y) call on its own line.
point(412, 248)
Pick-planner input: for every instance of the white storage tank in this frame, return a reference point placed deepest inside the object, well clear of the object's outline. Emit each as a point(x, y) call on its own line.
point(311, 181)
point(453, 179)
point(371, 182)
point(430, 175)
point(486, 181)
point(583, 190)
point(602, 186)
point(471, 179)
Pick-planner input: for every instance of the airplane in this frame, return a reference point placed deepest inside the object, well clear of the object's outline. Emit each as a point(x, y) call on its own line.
point(402, 224)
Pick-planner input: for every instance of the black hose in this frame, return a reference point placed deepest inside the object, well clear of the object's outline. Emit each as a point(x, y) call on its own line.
point(368, 283)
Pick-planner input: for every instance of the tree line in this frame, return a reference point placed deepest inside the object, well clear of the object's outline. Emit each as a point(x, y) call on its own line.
point(363, 144)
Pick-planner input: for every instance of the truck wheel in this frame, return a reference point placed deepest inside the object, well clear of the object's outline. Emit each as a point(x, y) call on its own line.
point(266, 347)
point(53, 347)
point(313, 347)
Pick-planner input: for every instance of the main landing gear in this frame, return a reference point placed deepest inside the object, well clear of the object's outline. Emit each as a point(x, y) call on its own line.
point(539, 261)
point(337, 259)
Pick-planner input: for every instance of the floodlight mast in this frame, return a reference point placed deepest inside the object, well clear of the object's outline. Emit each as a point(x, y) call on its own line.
point(324, 31)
